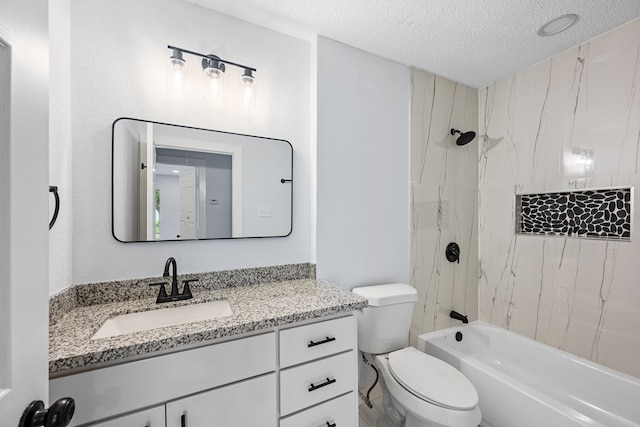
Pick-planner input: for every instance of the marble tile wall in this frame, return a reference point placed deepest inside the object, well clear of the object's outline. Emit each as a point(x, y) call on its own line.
point(570, 122)
point(443, 201)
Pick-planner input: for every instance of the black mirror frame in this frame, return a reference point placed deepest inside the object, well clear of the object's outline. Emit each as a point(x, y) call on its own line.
point(283, 181)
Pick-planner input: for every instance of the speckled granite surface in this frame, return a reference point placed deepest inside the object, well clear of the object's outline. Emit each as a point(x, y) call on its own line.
point(83, 295)
point(255, 307)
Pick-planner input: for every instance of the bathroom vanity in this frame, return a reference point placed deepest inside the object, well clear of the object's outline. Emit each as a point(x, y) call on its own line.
point(287, 356)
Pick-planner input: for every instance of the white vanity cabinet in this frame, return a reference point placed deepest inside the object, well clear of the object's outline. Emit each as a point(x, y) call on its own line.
point(303, 375)
point(121, 389)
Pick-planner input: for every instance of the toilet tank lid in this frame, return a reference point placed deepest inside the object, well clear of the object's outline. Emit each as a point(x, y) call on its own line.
point(393, 293)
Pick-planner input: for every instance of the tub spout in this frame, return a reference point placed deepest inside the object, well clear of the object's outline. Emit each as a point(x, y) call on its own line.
point(458, 316)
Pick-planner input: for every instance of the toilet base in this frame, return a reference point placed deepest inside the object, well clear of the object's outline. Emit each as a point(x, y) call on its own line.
point(391, 413)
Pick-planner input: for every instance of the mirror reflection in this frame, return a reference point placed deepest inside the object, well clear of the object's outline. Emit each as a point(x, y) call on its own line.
point(173, 182)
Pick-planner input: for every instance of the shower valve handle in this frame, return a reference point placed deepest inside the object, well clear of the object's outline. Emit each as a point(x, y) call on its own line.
point(453, 252)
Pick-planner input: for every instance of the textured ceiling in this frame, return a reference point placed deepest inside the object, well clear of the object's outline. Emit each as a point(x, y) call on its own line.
point(474, 42)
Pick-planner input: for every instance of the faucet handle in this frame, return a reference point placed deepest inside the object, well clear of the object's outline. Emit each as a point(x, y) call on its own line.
point(186, 290)
point(162, 293)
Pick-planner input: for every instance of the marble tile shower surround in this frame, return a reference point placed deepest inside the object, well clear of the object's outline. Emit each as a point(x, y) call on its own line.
point(83, 295)
point(443, 201)
point(578, 295)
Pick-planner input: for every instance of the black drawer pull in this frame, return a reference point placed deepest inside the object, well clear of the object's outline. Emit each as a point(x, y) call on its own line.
point(324, 341)
point(326, 383)
point(183, 420)
point(331, 425)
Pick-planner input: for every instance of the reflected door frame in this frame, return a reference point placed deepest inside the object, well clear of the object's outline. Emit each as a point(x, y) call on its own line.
point(237, 208)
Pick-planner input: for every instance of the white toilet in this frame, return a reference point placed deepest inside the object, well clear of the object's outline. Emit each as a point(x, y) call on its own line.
point(418, 389)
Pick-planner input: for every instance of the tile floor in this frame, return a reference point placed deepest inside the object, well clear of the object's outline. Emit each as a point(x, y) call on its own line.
point(373, 417)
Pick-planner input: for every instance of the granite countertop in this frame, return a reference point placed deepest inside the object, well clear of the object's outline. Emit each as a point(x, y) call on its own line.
point(255, 307)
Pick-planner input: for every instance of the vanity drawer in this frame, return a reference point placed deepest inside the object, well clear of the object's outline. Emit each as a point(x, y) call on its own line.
point(339, 412)
point(309, 342)
point(315, 382)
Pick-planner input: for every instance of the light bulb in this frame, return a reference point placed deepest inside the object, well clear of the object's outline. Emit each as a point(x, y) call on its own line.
point(214, 73)
point(247, 88)
point(214, 69)
point(216, 88)
point(177, 73)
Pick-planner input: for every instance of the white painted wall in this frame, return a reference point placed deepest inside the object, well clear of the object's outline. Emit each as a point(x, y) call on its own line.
point(363, 167)
point(117, 69)
point(60, 236)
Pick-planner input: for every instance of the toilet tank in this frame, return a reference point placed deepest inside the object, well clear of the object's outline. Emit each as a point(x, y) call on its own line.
point(384, 325)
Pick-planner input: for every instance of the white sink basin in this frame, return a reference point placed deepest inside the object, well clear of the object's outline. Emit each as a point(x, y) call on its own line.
point(145, 320)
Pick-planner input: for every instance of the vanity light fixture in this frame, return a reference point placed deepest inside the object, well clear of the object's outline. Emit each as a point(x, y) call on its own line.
point(214, 67)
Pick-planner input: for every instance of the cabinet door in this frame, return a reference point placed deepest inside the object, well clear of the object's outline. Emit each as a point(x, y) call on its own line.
point(153, 417)
point(247, 403)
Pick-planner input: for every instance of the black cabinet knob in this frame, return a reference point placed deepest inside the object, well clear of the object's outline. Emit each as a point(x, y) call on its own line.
point(59, 413)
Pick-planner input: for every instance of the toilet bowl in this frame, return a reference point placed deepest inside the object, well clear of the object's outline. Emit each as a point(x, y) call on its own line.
point(426, 391)
point(419, 390)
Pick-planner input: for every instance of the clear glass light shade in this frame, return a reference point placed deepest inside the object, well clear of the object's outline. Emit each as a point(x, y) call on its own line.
point(248, 89)
point(214, 70)
point(212, 67)
point(177, 74)
point(214, 73)
point(215, 88)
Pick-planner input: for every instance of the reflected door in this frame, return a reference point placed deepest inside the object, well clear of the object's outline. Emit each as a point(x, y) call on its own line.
point(147, 165)
point(188, 204)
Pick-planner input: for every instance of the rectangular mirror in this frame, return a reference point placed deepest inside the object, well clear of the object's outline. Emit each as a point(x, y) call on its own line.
point(172, 182)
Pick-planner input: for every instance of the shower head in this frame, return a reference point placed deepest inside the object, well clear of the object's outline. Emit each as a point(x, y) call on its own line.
point(464, 138)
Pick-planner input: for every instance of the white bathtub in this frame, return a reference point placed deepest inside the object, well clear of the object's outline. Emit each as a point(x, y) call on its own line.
point(524, 383)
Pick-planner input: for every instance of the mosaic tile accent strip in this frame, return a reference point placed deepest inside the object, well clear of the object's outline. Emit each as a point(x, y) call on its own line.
point(591, 214)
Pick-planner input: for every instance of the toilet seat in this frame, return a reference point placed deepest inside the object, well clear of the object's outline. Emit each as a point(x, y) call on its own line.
point(432, 380)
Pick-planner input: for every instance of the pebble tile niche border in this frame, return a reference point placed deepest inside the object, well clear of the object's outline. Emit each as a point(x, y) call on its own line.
point(603, 214)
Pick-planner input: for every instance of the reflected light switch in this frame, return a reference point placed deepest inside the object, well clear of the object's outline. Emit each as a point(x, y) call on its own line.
point(265, 211)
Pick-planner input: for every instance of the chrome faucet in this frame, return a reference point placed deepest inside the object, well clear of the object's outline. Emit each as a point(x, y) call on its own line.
point(175, 295)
